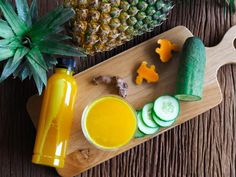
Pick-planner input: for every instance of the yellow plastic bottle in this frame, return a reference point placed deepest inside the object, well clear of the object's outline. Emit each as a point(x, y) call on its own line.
point(56, 116)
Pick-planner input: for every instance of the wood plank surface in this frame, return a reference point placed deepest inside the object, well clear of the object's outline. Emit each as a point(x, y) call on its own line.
point(201, 147)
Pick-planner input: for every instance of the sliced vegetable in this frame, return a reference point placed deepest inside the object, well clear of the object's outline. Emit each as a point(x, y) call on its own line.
point(160, 122)
point(139, 134)
point(143, 128)
point(165, 49)
point(191, 71)
point(147, 115)
point(149, 74)
point(166, 108)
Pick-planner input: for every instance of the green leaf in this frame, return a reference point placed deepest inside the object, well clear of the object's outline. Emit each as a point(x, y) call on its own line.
point(57, 48)
point(6, 53)
point(43, 23)
point(57, 30)
point(58, 37)
point(50, 61)
point(17, 25)
point(5, 42)
point(22, 71)
point(39, 84)
point(23, 9)
point(37, 56)
point(15, 44)
point(34, 11)
point(13, 63)
point(39, 73)
point(5, 30)
point(17, 72)
point(46, 33)
point(25, 73)
point(48, 18)
point(63, 17)
point(9, 68)
point(48, 25)
point(20, 53)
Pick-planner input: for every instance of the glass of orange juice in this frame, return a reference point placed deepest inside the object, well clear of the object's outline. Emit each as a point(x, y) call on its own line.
point(109, 122)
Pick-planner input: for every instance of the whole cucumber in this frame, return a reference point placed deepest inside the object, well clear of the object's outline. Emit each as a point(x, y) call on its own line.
point(191, 72)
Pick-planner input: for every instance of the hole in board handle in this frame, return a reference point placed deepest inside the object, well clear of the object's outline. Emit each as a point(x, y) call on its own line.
point(234, 44)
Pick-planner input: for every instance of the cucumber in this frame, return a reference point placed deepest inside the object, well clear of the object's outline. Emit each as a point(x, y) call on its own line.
point(147, 115)
point(162, 123)
point(166, 108)
point(139, 134)
point(143, 128)
point(190, 79)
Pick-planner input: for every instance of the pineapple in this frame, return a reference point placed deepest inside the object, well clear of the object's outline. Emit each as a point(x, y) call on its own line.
point(101, 25)
point(27, 44)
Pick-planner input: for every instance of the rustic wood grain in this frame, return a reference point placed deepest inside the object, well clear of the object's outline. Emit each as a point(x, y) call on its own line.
point(202, 147)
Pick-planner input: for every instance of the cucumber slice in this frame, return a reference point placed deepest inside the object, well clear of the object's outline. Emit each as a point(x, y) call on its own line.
point(143, 128)
point(139, 134)
point(166, 108)
point(147, 115)
point(162, 123)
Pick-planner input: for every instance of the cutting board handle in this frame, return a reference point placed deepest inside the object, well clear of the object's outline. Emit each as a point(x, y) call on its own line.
point(225, 52)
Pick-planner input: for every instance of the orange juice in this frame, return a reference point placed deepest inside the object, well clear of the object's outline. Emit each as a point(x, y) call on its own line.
point(109, 122)
point(56, 117)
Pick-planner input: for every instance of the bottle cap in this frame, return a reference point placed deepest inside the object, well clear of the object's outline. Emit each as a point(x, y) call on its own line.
point(69, 64)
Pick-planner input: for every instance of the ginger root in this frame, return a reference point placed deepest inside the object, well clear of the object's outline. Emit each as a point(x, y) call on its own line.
point(118, 82)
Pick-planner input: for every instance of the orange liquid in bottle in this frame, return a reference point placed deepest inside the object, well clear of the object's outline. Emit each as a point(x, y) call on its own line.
point(55, 119)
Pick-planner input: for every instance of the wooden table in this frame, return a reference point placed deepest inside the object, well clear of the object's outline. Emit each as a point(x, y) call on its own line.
point(205, 146)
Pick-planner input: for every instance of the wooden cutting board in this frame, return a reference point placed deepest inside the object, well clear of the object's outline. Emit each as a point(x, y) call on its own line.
point(81, 155)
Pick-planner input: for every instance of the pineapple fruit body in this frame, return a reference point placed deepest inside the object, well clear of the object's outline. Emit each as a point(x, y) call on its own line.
point(101, 25)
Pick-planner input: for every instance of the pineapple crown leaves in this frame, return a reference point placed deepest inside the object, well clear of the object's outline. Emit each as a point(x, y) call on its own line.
point(27, 44)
